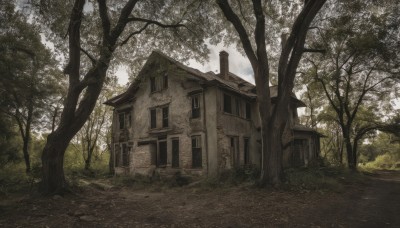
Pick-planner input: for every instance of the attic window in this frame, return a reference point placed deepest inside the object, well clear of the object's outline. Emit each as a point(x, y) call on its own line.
point(159, 82)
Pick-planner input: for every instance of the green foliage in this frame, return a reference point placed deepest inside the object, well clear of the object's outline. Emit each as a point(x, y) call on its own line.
point(383, 152)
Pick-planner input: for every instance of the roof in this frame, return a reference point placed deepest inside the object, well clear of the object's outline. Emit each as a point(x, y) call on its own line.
point(300, 127)
point(235, 83)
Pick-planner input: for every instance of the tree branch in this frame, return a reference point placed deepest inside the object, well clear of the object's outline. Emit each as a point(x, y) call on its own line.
point(244, 37)
point(323, 51)
point(92, 59)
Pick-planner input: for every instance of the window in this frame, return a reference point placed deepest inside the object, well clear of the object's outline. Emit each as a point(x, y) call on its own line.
point(246, 151)
point(158, 83)
point(153, 118)
point(153, 84)
point(124, 119)
point(196, 152)
point(121, 153)
point(117, 152)
point(125, 155)
point(195, 107)
point(248, 111)
point(237, 107)
point(234, 140)
point(175, 153)
point(121, 119)
point(165, 81)
point(227, 103)
point(165, 117)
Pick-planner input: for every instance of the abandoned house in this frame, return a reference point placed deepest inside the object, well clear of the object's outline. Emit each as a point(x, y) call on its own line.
point(176, 118)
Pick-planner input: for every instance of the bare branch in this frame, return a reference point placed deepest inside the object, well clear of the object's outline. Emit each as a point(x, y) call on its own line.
point(92, 59)
point(323, 51)
point(177, 25)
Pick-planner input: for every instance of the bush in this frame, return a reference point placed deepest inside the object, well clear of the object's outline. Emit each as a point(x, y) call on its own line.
point(314, 179)
point(384, 161)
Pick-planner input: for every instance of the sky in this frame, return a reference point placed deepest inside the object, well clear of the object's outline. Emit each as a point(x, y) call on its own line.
point(238, 64)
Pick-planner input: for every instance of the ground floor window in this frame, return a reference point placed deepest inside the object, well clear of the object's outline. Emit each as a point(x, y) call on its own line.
point(121, 155)
point(246, 151)
point(196, 152)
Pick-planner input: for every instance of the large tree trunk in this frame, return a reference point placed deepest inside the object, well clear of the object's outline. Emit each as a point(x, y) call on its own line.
point(26, 155)
point(53, 180)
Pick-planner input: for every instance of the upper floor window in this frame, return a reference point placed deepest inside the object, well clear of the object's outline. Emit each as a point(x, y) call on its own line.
point(165, 114)
point(248, 111)
point(227, 103)
point(158, 83)
point(164, 111)
point(124, 119)
point(196, 152)
point(237, 110)
point(153, 118)
point(196, 106)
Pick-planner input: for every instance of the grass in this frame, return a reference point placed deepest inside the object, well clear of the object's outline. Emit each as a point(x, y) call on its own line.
point(321, 178)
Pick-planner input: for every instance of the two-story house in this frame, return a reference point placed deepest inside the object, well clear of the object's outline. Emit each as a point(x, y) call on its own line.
point(176, 118)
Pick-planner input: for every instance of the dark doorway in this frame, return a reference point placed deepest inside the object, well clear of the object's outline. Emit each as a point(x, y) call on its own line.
point(162, 153)
point(299, 147)
point(175, 153)
point(235, 151)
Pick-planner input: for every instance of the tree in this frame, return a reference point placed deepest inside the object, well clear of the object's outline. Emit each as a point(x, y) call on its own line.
point(360, 68)
point(94, 34)
point(94, 134)
point(273, 116)
point(28, 74)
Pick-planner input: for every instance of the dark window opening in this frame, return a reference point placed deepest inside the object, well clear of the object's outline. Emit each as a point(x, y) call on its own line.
point(153, 118)
point(175, 153)
point(165, 81)
point(248, 111)
point(162, 153)
point(159, 83)
point(165, 111)
point(196, 152)
point(117, 153)
point(195, 107)
point(121, 119)
point(153, 84)
point(237, 107)
point(125, 155)
point(246, 151)
point(227, 103)
point(235, 151)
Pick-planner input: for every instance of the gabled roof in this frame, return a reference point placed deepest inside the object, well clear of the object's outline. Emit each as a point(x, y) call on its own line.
point(235, 83)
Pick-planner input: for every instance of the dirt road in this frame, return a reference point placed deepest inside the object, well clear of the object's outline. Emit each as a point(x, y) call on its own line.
point(375, 203)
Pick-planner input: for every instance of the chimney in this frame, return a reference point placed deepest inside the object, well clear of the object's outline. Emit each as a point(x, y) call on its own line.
point(224, 65)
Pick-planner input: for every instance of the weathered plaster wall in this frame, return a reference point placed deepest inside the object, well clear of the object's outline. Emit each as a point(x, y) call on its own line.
point(231, 125)
point(180, 123)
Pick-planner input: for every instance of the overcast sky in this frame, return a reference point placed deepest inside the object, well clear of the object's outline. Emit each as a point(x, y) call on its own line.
point(238, 64)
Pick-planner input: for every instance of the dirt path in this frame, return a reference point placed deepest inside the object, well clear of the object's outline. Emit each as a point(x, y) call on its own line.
point(373, 204)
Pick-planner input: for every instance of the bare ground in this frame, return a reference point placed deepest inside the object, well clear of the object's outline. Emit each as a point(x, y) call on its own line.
point(373, 203)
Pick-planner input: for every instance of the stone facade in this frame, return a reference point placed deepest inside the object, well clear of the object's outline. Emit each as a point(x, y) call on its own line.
point(175, 118)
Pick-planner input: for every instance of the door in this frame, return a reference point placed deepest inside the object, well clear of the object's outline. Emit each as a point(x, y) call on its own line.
point(162, 153)
point(235, 151)
point(175, 153)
